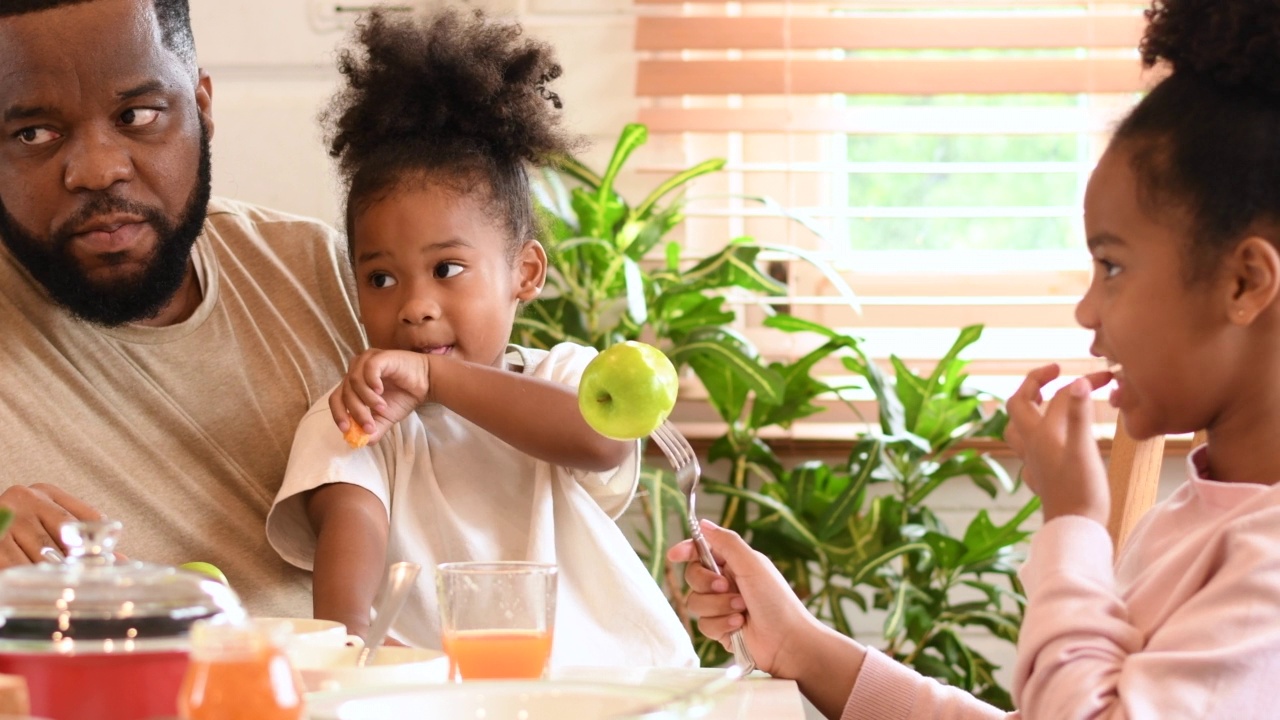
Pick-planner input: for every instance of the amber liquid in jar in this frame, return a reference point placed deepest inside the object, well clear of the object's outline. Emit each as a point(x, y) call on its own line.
point(239, 671)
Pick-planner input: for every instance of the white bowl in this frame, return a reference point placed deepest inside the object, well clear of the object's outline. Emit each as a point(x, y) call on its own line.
point(329, 668)
point(311, 632)
point(489, 699)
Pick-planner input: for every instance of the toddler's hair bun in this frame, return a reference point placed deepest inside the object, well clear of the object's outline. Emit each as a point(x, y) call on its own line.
point(452, 84)
point(1234, 44)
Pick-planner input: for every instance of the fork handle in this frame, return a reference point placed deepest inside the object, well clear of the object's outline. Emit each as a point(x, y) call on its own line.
point(741, 655)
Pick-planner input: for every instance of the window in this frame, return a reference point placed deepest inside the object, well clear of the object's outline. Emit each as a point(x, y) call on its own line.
point(937, 152)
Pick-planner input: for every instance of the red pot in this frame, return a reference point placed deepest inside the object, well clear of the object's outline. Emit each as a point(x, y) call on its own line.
point(99, 639)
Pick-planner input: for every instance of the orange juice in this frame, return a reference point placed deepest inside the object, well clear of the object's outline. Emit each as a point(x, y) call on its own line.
point(486, 654)
point(260, 685)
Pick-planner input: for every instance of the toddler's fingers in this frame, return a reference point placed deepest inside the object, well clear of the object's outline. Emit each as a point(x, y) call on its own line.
point(338, 410)
point(357, 407)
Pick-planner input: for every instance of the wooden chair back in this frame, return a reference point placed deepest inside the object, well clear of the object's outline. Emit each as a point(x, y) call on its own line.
point(1134, 476)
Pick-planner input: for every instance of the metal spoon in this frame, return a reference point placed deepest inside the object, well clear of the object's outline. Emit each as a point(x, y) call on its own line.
point(400, 577)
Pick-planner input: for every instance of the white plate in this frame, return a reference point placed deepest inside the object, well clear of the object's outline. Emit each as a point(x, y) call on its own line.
point(488, 699)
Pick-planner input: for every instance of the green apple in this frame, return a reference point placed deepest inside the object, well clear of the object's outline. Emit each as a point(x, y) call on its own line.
point(627, 390)
point(205, 568)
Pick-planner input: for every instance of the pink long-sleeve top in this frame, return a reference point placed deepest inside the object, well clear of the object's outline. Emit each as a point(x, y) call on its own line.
point(1186, 624)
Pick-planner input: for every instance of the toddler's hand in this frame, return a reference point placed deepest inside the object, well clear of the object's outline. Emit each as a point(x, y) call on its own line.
point(1061, 461)
point(751, 595)
point(381, 388)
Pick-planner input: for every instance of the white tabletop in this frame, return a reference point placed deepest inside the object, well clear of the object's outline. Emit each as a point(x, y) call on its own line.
point(755, 697)
point(588, 691)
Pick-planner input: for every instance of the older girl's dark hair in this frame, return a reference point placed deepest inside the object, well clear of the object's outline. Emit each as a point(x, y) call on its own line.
point(452, 98)
point(1206, 139)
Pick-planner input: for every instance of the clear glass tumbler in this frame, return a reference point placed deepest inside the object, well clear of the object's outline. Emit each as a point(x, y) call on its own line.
point(497, 618)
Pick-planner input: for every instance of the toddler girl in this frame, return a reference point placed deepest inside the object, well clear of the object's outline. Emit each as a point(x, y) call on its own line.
point(478, 450)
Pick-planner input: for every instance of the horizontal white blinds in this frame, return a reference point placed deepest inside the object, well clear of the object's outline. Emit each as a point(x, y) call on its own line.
point(899, 133)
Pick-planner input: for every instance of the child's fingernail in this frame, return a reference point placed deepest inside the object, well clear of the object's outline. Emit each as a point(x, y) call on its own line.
point(720, 585)
point(738, 604)
point(735, 620)
point(369, 427)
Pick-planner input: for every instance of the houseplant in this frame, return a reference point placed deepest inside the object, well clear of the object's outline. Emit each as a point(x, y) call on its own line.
point(852, 536)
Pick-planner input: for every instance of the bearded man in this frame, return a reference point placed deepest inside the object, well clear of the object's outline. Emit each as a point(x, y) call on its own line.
point(158, 347)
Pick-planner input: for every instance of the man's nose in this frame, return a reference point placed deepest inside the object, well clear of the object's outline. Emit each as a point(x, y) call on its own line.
point(96, 159)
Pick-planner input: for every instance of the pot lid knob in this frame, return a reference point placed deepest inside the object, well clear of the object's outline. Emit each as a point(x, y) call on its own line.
point(92, 542)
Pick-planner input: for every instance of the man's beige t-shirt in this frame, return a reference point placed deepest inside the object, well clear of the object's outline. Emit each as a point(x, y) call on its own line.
point(183, 432)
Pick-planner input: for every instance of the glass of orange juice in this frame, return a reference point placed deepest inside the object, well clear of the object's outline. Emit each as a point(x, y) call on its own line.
point(240, 669)
point(497, 618)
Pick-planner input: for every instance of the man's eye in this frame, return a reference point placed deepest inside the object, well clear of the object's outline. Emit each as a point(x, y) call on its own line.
point(381, 280)
point(139, 117)
point(447, 270)
point(36, 136)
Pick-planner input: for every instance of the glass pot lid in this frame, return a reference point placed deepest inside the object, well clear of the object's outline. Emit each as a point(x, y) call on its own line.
point(94, 601)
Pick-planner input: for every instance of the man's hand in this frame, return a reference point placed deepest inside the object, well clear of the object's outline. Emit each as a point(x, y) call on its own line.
point(39, 512)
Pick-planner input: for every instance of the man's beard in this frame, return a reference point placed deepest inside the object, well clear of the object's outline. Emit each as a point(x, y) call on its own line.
point(129, 299)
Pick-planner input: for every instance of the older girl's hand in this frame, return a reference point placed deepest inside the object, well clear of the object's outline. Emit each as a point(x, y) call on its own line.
point(751, 596)
point(1061, 461)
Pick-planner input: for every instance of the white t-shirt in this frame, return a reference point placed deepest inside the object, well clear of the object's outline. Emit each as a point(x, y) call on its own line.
point(455, 492)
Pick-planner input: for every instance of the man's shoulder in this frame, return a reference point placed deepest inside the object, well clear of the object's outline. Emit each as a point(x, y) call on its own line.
point(226, 216)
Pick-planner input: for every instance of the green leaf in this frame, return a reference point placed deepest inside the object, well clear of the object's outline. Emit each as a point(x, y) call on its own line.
point(6, 519)
point(872, 564)
point(823, 266)
point(633, 136)
point(574, 168)
point(968, 336)
point(636, 305)
point(733, 266)
point(768, 503)
point(675, 181)
point(947, 551)
point(729, 351)
point(897, 609)
point(850, 500)
point(802, 480)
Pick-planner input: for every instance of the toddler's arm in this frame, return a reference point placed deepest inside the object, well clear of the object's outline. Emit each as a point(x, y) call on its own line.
point(538, 417)
point(350, 556)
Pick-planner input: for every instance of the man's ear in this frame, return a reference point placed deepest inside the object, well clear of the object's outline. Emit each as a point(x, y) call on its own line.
point(204, 99)
point(531, 271)
point(1254, 267)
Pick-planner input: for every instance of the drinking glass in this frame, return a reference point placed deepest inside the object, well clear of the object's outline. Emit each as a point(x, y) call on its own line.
point(497, 618)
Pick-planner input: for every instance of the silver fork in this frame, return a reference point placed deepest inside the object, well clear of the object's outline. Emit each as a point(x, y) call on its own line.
point(684, 461)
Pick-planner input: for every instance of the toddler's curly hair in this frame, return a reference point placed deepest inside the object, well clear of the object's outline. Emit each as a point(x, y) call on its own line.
point(454, 98)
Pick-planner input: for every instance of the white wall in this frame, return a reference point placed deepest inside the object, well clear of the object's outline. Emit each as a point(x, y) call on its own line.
point(272, 64)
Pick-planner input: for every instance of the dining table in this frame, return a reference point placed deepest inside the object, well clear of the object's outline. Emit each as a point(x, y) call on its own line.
point(754, 697)
point(639, 692)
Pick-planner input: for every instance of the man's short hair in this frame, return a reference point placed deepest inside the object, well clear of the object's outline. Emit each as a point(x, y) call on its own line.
point(174, 17)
